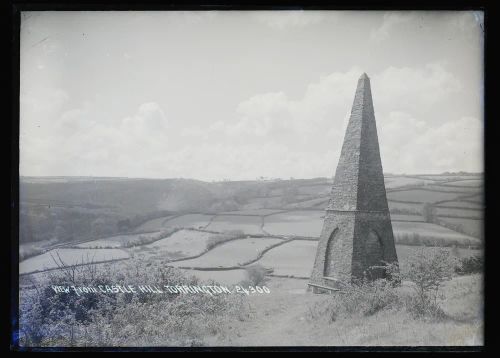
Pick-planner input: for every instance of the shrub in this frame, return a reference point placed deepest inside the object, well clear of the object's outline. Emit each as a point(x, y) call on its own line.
point(145, 240)
point(427, 270)
point(364, 298)
point(215, 240)
point(470, 265)
point(255, 275)
point(429, 212)
point(50, 319)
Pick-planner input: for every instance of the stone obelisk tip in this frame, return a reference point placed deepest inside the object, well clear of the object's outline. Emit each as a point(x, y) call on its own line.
point(364, 76)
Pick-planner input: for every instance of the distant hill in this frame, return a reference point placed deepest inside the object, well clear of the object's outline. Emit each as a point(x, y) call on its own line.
point(71, 208)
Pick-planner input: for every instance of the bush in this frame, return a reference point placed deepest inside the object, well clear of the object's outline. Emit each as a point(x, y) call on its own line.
point(144, 240)
point(427, 270)
point(429, 213)
point(470, 265)
point(215, 240)
point(50, 319)
point(364, 298)
point(255, 275)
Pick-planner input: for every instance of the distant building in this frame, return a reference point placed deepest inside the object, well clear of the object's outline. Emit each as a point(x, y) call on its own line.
point(357, 232)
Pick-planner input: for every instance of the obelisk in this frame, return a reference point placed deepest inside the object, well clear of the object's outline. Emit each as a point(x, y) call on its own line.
point(357, 237)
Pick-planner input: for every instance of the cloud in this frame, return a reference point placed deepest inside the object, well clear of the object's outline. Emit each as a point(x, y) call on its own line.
point(391, 20)
point(413, 88)
point(328, 101)
point(403, 98)
point(282, 20)
point(149, 118)
point(270, 135)
point(82, 142)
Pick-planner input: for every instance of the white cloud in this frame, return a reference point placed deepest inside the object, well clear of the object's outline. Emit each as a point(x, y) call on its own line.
point(282, 20)
point(390, 21)
point(403, 98)
point(413, 88)
point(78, 143)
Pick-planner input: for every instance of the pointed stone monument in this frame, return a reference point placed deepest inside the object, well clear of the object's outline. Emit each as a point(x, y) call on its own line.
point(357, 231)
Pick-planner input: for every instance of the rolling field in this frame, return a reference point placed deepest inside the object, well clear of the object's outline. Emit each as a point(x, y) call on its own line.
point(295, 258)
point(319, 204)
point(252, 212)
point(114, 241)
point(196, 221)
point(295, 223)
point(420, 196)
point(153, 225)
point(404, 251)
point(183, 243)
point(469, 226)
point(300, 214)
point(463, 213)
point(399, 217)
point(226, 223)
point(451, 178)
point(406, 208)
point(231, 253)
point(431, 233)
point(461, 190)
point(315, 190)
point(397, 182)
point(70, 257)
point(470, 182)
point(461, 204)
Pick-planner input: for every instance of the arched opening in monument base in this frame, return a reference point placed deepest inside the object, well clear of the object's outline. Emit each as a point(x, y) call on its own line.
point(328, 267)
point(374, 254)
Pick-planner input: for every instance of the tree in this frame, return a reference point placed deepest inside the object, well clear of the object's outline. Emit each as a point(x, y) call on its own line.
point(429, 213)
point(428, 269)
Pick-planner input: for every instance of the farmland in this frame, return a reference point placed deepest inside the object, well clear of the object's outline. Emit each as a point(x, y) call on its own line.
point(273, 223)
point(214, 233)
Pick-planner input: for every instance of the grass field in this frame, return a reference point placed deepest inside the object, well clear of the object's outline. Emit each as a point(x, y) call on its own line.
point(397, 182)
point(421, 196)
point(196, 221)
point(259, 212)
point(432, 234)
point(183, 243)
point(462, 204)
point(114, 241)
point(226, 223)
point(153, 225)
point(399, 217)
point(297, 223)
point(319, 203)
point(295, 258)
point(231, 253)
point(473, 183)
point(451, 178)
point(477, 214)
point(315, 190)
point(469, 226)
point(260, 203)
point(404, 251)
point(458, 189)
point(415, 209)
point(69, 257)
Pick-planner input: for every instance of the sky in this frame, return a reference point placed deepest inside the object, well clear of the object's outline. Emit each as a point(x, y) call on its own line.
point(241, 95)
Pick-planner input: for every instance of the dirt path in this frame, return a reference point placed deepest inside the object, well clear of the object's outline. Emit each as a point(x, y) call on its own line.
point(276, 318)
